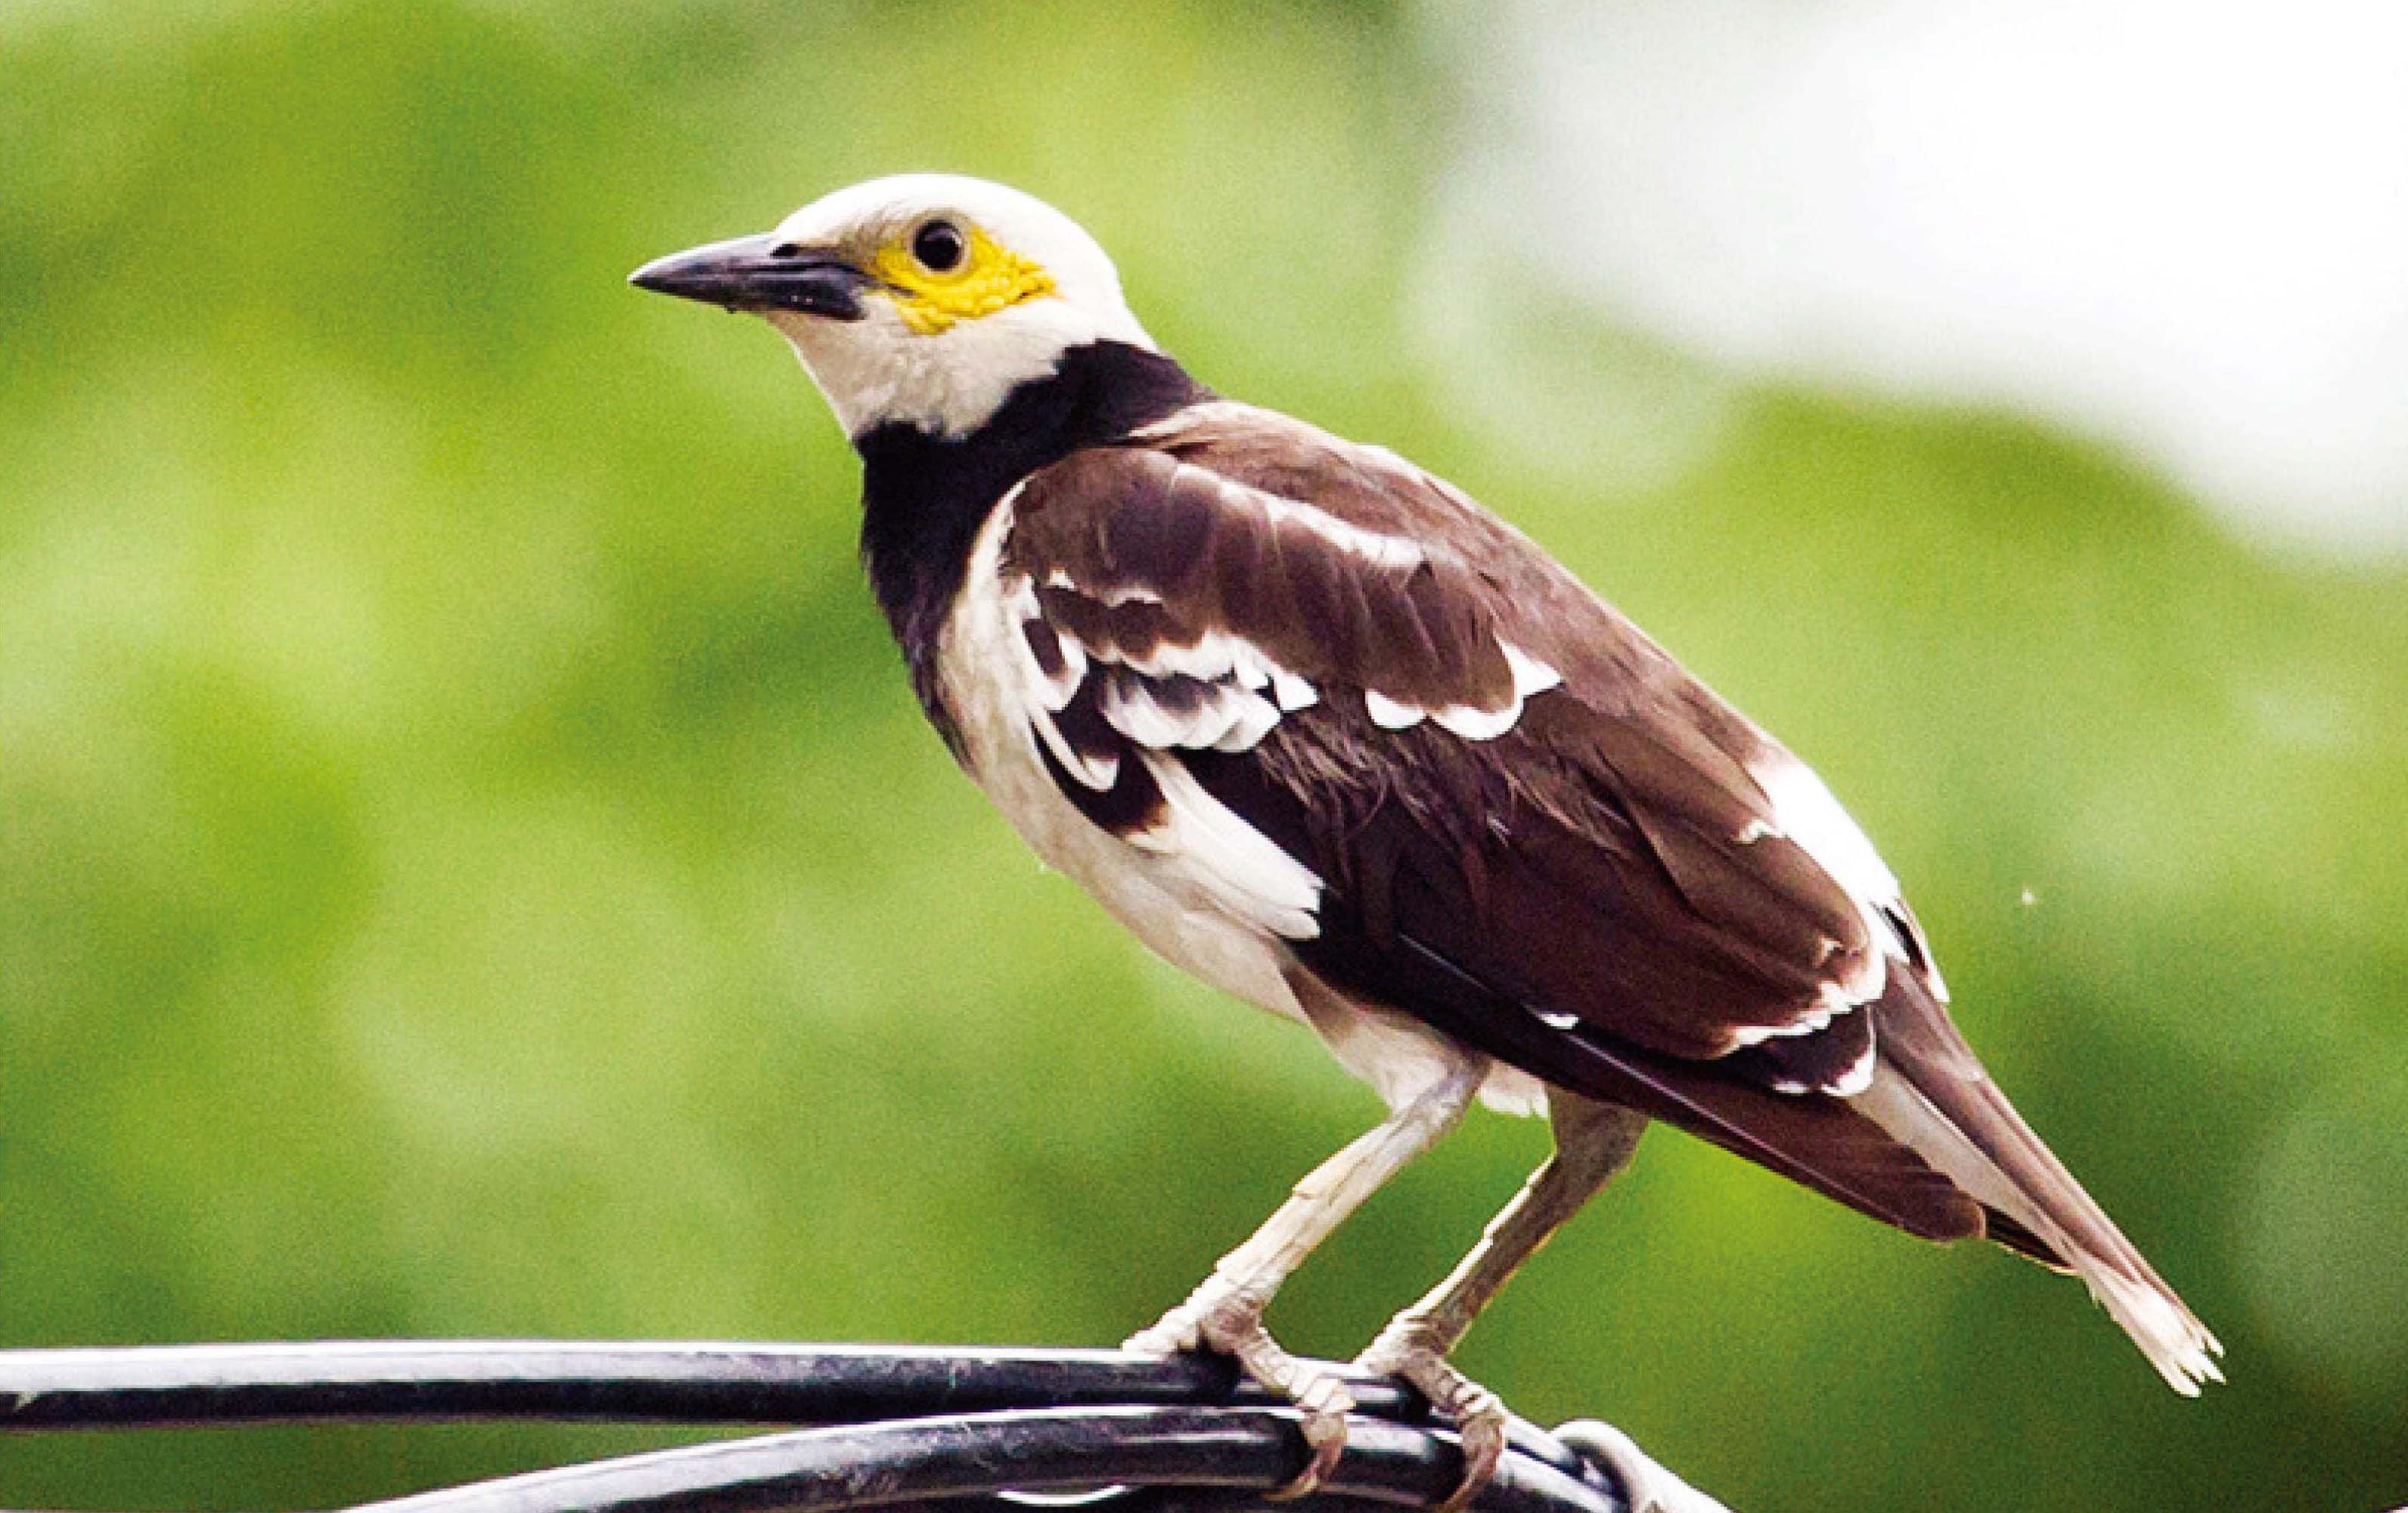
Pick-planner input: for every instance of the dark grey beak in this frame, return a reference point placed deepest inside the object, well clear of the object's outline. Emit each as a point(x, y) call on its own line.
point(760, 272)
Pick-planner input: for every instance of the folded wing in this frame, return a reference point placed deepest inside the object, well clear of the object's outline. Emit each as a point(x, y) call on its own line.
point(1407, 743)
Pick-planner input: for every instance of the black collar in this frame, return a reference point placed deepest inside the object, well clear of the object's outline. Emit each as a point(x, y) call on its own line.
point(924, 497)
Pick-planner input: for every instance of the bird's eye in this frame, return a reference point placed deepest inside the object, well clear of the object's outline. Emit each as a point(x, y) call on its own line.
point(939, 246)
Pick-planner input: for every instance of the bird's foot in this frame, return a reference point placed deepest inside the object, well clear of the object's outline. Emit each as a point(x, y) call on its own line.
point(1228, 1319)
point(1406, 1350)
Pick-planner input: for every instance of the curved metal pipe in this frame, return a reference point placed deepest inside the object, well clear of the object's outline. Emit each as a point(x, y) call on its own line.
point(899, 1423)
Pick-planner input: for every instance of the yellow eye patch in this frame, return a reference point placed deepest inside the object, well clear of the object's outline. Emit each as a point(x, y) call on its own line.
point(991, 277)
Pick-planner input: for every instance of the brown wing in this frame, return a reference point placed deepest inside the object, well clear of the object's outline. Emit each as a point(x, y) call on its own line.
point(1458, 672)
point(1513, 816)
point(1530, 825)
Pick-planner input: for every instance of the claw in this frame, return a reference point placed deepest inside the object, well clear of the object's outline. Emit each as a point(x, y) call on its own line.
point(1229, 1322)
point(1480, 1418)
point(1324, 1402)
point(1480, 1426)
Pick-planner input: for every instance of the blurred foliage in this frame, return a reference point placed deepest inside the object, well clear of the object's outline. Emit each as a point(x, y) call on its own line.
point(469, 865)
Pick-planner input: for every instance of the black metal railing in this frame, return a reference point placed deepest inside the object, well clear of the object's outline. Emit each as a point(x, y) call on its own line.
point(889, 1427)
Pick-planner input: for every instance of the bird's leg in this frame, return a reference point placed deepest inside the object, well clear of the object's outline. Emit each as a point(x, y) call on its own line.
point(1225, 1312)
point(1592, 1142)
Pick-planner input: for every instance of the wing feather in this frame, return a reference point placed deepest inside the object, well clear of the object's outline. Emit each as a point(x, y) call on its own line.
point(1632, 870)
point(1384, 725)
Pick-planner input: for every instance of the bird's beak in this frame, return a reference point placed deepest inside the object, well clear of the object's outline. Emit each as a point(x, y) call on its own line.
point(760, 272)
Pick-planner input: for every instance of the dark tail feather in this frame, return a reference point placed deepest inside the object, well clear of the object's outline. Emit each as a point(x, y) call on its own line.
point(1931, 1093)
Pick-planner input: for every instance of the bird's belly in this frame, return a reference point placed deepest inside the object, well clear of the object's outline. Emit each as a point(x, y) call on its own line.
point(1175, 918)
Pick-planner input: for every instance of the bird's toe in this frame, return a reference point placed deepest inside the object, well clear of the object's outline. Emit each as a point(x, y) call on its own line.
point(1227, 1320)
point(1405, 1352)
point(1480, 1420)
point(1173, 1333)
point(1323, 1402)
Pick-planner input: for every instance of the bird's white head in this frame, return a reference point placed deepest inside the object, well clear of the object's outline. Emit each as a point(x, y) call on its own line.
point(922, 299)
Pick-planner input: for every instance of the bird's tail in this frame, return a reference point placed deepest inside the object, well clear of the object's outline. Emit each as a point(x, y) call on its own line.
point(1931, 1095)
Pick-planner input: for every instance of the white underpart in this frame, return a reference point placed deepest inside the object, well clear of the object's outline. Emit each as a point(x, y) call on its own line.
point(1245, 871)
point(949, 382)
point(1531, 676)
point(1205, 891)
point(2176, 1343)
point(1400, 1057)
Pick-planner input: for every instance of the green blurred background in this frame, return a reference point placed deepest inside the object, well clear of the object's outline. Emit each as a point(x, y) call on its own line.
point(470, 863)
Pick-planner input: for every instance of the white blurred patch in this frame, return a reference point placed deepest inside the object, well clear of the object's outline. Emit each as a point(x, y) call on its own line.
point(2181, 228)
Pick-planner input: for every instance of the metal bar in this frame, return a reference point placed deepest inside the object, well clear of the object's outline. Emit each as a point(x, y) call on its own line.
point(181, 1385)
point(1016, 1404)
point(901, 1464)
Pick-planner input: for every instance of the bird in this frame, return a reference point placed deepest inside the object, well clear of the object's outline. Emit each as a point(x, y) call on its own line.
point(1327, 735)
